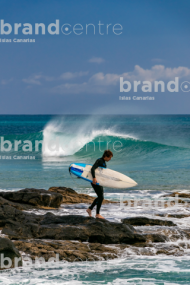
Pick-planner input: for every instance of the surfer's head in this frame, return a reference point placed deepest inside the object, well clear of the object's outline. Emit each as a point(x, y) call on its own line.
point(107, 155)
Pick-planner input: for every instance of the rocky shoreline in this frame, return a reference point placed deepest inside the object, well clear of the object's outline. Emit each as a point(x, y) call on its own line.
point(77, 237)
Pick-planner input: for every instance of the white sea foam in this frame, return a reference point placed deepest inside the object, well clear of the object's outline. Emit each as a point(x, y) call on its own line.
point(131, 270)
point(6, 190)
point(59, 139)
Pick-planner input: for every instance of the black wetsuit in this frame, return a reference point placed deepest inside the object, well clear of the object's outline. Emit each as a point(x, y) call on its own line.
point(97, 188)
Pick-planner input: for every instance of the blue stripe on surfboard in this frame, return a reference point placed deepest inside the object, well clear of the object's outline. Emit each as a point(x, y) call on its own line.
point(76, 169)
point(78, 172)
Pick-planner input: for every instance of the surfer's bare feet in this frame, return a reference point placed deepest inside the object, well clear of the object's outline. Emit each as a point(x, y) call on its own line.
point(99, 216)
point(89, 212)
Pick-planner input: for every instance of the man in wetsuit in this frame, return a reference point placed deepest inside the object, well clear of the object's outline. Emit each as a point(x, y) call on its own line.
point(97, 188)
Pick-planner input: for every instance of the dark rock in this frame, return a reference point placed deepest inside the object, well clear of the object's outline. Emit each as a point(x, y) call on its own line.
point(7, 202)
point(10, 215)
point(87, 229)
point(178, 216)
point(168, 249)
point(8, 250)
point(182, 195)
point(16, 205)
point(143, 221)
point(35, 197)
point(156, 238)
point(178, 195)
point(72, 227)
point(70, 196)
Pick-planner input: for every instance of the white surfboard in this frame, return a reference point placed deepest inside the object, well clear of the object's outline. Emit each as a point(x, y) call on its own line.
point(105, 176)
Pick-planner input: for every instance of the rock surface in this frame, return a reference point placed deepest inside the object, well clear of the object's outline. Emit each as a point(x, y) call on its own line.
point(70, 196)
point(30, 198)
point(34, 197)
point(176, 215)
point(17, 224)
point(144, 221)
point(12, 204)
point(8, 250)
point(67, 250)
point(80, 238)
point(180, 194)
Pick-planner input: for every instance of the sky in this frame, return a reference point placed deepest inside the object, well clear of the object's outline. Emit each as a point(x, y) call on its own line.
point(80, 73)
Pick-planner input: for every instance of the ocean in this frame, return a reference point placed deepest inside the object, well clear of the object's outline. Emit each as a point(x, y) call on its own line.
point(36, 151)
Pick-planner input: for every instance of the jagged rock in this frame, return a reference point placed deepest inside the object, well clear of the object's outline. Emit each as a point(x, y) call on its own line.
point(8, 250)
point(17, 224)
point(156, 238)
point(180, 194)
point(178, 216)
point(168, 249)
point(70, 196)
point(67, 250)
point(87, 229)
point(144, 221)
point(10, 215)
point(35, 197)
point(20, 206)
point(16, 205)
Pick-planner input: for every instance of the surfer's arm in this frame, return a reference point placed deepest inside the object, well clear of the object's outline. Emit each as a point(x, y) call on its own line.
point(96, 165)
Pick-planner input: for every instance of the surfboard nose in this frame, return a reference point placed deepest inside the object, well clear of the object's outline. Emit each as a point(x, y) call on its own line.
point(70, 167)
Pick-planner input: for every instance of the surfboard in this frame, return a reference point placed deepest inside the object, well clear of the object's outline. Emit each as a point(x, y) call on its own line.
point(105, 176)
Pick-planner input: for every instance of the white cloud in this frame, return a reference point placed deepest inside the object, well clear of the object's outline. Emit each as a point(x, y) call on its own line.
point(96, 60)
point(104, 83)
point(33, 79)
point(156, 72)
point(71, 75)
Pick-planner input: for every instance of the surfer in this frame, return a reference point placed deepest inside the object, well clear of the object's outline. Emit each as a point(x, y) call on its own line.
point(100, 162)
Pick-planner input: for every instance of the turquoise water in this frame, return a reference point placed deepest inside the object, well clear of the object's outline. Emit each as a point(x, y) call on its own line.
point(130, 270)
point(153, 150)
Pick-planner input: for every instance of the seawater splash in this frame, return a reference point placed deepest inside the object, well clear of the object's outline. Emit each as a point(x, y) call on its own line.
point(131, 270)
point(62, 139)
point(78, 139)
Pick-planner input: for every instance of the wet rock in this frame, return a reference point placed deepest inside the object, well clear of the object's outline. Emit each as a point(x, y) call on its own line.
point(67, 250)
point(172, 233)
point(156, 238)
point(12, 204)
point(17, 224)
point(178, 216)
point(180, 194)
point(168, 249)
point(10, 215)
point(88, 229)
point(34, 197)
point(70, 196)
point(175, 215)
point(177, 195)
point(8, 250)
point(186, 233)
point(143, 221)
